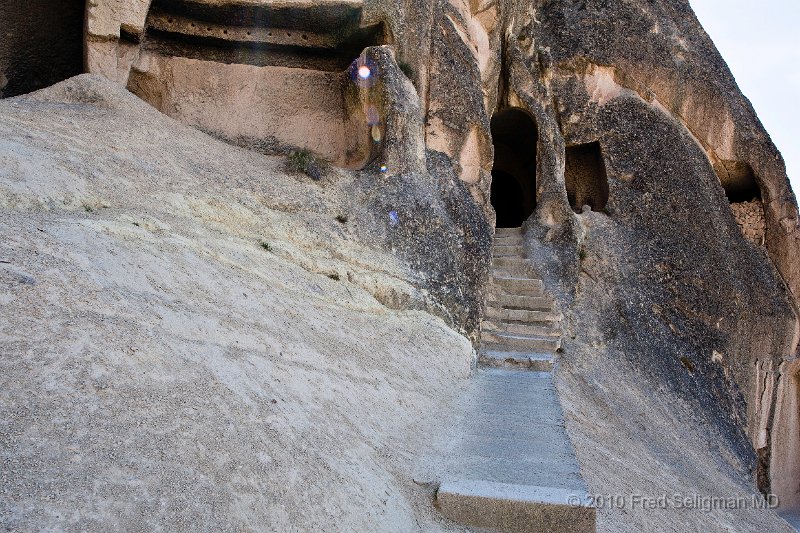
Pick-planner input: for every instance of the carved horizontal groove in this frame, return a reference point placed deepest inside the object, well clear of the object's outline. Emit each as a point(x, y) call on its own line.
point(295, 15)
point(281, 40)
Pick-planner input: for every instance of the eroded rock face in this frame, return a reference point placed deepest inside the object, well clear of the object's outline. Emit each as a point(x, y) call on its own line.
point(635, 116)
point(163, 369)
point(266, 75)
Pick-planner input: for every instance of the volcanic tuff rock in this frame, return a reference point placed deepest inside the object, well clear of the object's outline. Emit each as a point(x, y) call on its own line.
point(679, 370)
point(186, 345)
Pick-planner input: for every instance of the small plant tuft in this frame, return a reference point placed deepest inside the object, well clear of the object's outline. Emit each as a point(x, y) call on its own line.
point(304, 162)
point(334, 277)
point(582, 254)
point(342, 219)
point(266, 246)
point(88, 208)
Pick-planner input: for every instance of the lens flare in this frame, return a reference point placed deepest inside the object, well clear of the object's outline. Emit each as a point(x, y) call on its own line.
point(364, 72)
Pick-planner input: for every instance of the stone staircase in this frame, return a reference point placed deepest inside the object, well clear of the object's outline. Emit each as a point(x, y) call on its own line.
point(514, 468)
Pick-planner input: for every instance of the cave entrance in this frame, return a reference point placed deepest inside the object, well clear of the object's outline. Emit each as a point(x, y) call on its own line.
point(41, 43)
point(515, 137)
point(744, 195)
point(738, 180)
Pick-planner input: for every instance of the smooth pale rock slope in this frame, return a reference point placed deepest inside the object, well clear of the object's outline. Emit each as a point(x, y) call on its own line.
point(160, 370)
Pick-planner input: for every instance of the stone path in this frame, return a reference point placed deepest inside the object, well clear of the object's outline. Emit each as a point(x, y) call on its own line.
point(793, 517)
point(514, 468)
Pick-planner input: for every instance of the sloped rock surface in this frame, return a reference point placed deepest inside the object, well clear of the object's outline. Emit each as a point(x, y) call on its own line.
point(162, 370)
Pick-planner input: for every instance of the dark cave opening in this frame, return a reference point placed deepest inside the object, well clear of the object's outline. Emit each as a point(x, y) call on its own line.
point(744, 196)
point(41, 43)
point(507, 192)
point(515, 137)
point(585, 177)
point(739, 181)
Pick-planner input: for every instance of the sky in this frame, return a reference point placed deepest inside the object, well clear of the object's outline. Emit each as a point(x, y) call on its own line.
point(760, 40)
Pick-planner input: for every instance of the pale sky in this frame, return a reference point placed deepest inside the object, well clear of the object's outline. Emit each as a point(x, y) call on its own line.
point(760, 40)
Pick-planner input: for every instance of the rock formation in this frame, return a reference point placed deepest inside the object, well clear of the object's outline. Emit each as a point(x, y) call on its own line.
point(655, 208)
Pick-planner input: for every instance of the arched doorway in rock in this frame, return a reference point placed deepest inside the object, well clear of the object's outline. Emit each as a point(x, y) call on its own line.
point(515, 136)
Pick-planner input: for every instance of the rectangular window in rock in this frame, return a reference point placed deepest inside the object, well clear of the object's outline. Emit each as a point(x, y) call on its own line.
point(744, 195)
point(586, 179)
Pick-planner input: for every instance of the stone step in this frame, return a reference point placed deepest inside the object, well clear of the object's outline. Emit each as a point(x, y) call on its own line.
point(526, 303)
point(514, 283)
point(522, 271)
point(554, 465)
point(505, 262)
point(516, 508)
point(509, 240)
point(491, 340)
point(496, 291)
point(529, 440)
point(508, 250)
point(541, 330)
point(518, 267)
point(496, 295)
point(523, 316)
point(504, 232)
point(538, 362)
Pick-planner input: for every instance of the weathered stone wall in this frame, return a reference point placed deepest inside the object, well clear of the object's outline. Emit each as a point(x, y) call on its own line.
point(785, 457)
point(750, 217)
point(278, 94)
point(269, 108)
point(269, 76)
